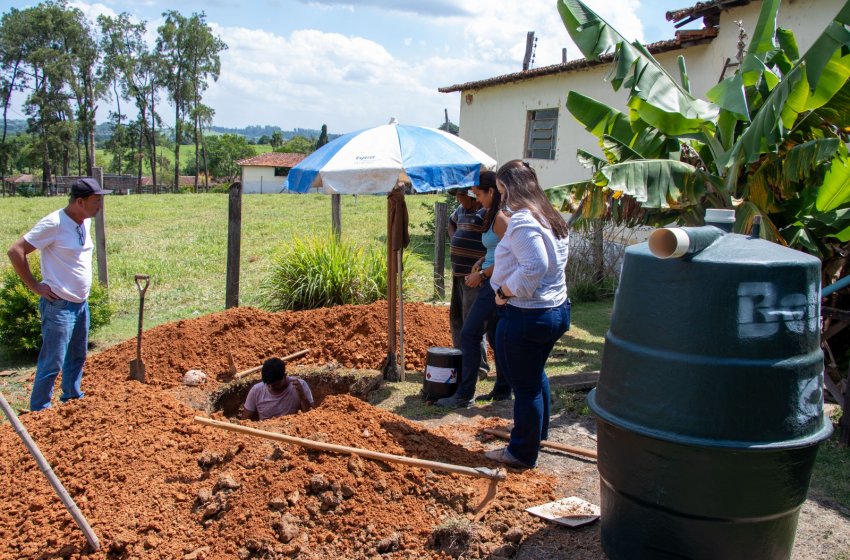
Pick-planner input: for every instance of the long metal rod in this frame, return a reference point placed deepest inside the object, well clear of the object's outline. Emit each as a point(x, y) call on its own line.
point(79, 518)
point(368, 454)
point(550, 444)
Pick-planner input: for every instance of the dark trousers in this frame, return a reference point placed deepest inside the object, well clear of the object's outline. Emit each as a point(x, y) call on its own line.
point(524, 339)
point(481, 320)
point(462, 299)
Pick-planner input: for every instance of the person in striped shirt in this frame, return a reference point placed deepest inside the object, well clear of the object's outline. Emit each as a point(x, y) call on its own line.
point(465, 227)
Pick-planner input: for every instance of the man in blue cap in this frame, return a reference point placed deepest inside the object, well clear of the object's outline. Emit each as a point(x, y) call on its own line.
point(66, 247)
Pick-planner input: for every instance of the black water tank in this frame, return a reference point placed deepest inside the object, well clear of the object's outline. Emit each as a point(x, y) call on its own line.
point(709, 404)
point(442, 372)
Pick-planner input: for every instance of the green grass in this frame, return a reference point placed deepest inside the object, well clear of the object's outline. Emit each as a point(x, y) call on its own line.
point(181, 242)
point(829, 478)
point(187, 154)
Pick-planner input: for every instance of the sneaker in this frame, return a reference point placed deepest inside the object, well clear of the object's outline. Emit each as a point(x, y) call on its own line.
point(493, 397)
point(502, 455)
point(453, 402)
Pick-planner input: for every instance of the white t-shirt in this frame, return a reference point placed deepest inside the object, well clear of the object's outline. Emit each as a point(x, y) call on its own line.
point(65, 263)
point(268, 405)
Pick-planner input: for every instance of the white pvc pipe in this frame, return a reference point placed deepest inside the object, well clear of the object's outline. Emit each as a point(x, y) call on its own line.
point(669, 243)
point(675, 243)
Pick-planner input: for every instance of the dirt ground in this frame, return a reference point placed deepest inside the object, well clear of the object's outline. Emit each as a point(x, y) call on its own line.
point(155, 484)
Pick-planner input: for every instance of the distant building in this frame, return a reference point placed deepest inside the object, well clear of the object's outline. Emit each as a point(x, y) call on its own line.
point(265, 173)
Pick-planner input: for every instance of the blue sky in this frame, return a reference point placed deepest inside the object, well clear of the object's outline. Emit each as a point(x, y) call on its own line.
point(350, 65)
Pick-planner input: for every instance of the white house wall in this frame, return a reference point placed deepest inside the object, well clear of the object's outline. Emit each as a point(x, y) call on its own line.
point(495, 120)
point(257, 179)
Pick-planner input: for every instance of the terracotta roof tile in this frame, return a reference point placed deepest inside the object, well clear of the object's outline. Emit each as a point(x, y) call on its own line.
point(711, 8)
point(273, 159)
point(683, 39)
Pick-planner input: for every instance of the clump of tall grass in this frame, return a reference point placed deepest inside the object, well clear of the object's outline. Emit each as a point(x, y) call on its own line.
point(322, 271)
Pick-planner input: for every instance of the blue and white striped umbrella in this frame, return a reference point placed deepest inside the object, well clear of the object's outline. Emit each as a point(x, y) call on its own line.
point(375, 159)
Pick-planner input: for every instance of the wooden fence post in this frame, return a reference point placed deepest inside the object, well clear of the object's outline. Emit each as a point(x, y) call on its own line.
point(336, 215)
point(234, 237)
point(100, 234)
point(441, 220)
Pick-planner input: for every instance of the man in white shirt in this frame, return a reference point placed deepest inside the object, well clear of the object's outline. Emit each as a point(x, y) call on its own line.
point(277, 395)
point(66, 248)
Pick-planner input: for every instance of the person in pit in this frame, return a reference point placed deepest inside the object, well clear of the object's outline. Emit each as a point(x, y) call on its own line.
point(481, 319)
point(534, 311)
point(277, 394)
point(466, 224)
point(65, 244)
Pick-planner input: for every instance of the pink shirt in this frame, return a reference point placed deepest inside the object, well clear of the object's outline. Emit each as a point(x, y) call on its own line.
point(268, 405)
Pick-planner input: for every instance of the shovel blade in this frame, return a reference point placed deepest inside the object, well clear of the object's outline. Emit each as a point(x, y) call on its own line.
point(137, 370)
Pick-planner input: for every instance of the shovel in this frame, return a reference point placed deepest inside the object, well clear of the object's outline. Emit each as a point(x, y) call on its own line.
point(137, 366)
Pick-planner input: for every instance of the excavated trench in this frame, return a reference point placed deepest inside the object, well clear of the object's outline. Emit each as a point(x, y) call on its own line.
point(228, 399)
point(154, 483)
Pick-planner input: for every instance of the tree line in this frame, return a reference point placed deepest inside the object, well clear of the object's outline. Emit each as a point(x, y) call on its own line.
point(64, 66)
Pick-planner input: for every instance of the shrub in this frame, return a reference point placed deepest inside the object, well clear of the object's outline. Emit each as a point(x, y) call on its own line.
point(322, 271)
point(20, 325)
point(27, 190)
point(585, 290)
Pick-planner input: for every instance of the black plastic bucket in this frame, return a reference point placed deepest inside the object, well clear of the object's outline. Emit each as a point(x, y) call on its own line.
point(709, 403)
point(442, 372)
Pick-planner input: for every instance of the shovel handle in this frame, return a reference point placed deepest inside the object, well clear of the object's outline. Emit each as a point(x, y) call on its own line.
point(139, 278)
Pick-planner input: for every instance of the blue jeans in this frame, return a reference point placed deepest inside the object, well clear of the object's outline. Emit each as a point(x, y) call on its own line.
point(65, 338)
point(481, 320)
point(524, 339)
point(463, 297)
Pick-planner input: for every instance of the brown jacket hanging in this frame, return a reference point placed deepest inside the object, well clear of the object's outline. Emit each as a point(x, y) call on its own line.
point(399, 236)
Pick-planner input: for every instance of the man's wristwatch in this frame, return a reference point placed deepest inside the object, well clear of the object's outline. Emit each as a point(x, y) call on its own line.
point(482, 275)
point(501, 294)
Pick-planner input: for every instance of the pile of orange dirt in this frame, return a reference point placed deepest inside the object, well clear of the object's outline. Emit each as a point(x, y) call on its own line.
point(154, 484)
point(354, 336)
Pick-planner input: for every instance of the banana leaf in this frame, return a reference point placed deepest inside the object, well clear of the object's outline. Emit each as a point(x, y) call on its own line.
point(817, 77)
point(835, 190)
point(658, 183)
point(803, 159)
point(589, 161)
point(655, 97)
point(598, 118)
point(561, 196)
point(837, 110)
point(617, 152)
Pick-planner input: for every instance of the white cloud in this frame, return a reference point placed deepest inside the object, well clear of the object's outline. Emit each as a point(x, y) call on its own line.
point(498, 32)
point(418, 7)
point(91, 11)
point(310, 78)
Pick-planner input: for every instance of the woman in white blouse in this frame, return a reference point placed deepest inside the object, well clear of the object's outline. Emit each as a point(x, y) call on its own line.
point(534, 311)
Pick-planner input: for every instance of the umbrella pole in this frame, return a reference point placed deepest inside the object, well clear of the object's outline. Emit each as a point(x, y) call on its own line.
point(401, 313)
point(390, 372)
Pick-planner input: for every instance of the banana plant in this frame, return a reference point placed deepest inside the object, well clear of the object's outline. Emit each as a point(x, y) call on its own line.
point(769, 141)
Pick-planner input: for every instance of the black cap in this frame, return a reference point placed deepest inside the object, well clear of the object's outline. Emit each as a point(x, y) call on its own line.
point(86, 186)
